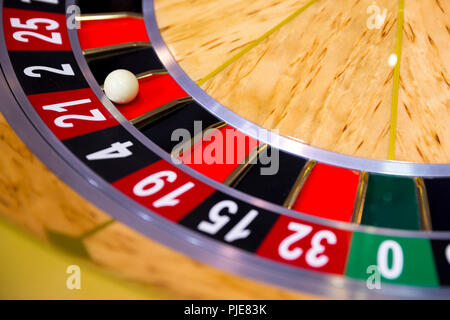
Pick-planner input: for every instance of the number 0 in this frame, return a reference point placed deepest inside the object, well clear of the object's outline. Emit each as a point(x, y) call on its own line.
point(396, 269)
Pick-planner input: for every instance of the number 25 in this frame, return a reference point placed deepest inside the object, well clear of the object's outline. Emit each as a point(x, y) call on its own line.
point(32, 24)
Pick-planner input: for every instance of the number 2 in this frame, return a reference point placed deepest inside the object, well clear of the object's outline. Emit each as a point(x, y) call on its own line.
point(301, 231)
point(66, 70)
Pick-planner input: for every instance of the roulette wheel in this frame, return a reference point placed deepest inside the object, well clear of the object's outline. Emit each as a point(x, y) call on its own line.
point(275, 149)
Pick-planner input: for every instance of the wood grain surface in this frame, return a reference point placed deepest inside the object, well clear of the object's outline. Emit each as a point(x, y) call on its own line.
point(203, 34)
point(324, 78)
point(423, 133)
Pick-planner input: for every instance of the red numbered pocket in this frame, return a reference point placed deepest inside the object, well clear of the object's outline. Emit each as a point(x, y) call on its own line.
point(307, 245)
point(165, 189)
point(27, 30)
point(72, 113)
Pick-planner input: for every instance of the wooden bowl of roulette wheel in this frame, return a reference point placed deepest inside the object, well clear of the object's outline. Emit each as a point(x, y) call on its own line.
point(331, 93)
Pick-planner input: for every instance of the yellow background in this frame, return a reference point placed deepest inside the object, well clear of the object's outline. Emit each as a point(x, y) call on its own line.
point(31, 269)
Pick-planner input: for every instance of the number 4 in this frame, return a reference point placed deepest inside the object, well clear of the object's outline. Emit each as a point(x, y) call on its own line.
point(116, 151)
